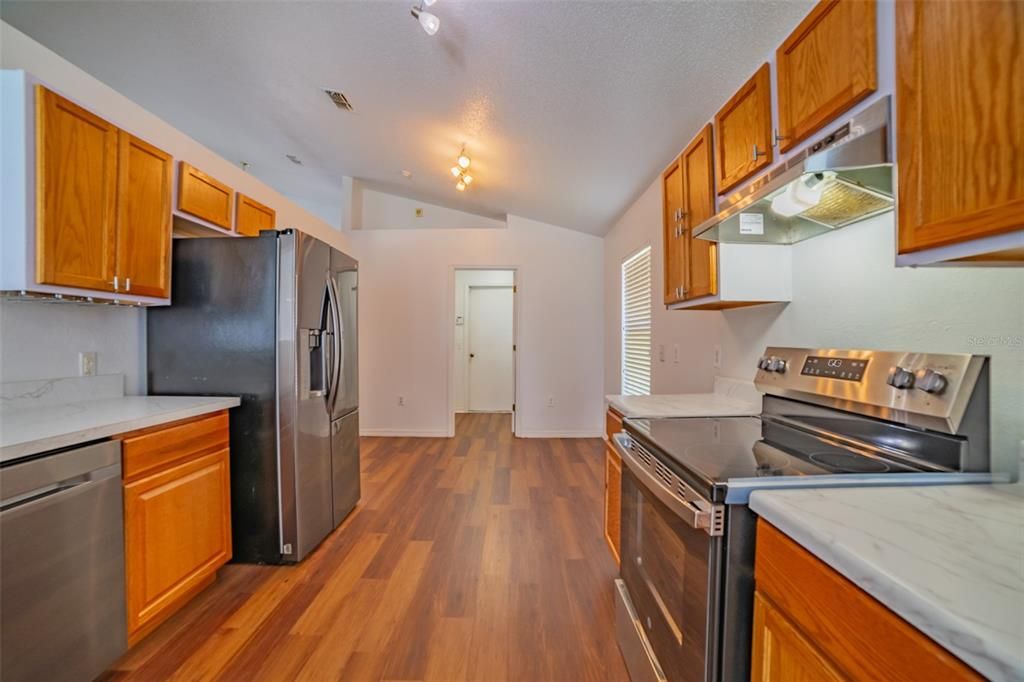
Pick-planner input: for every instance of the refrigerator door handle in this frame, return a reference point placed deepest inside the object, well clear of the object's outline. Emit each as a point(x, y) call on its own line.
point(336, 341)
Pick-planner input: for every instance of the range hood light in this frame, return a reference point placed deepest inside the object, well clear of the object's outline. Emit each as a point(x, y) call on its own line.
point(799, 196)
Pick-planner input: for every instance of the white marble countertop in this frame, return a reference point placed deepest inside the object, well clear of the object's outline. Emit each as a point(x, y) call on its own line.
point(33, 429)
point(948, 559)
point(731, 398)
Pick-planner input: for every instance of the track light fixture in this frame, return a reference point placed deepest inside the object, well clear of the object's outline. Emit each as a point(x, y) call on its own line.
point(428, 21)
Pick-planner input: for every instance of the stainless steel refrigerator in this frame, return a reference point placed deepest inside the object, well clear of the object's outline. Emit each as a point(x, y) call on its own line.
point(273, 320)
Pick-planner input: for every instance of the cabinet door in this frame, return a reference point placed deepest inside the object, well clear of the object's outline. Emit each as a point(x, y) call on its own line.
point(959, 130)
point(177, 533)
point(743, 129)
point(672, 207)
point(781, 652)
point(204, 196)
point(698, 205)
point(612, 500)
point(251, 216)
point(825, 66)
point(144, 179)
point(76, 189)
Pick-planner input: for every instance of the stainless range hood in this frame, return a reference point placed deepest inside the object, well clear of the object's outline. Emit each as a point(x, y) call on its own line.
point(842, 178)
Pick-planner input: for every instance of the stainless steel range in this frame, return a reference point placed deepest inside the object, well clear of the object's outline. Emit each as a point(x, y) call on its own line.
point(831, 418)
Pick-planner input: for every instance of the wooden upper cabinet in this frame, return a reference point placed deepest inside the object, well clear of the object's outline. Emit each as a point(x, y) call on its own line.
point(251, 216)
point(825, 66)
point(675, 250)
point(700, 264)
point(76, 191)
point(144, 218)
point(204, 196)
point(743, 132)
point(959, 120)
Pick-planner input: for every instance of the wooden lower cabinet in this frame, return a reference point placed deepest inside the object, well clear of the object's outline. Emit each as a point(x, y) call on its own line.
point(177, 516)
point(612, 484)
point(612, 499)
point(811, 623)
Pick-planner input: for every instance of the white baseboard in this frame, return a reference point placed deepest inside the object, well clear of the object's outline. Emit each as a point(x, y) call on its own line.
point(529, 433)
point(405, 433)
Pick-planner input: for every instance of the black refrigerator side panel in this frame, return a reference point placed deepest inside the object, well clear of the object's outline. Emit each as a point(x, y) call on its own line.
point(219, 337)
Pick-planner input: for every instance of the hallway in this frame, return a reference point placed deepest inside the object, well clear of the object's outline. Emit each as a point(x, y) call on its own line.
point(479, 557)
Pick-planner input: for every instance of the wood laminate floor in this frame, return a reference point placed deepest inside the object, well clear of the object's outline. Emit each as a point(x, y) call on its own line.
point(479, 557)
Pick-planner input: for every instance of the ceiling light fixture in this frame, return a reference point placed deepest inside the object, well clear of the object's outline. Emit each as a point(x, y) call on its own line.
point(458, 171)
point(428, 21)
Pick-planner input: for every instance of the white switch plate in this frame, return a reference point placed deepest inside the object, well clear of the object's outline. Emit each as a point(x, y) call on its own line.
point(718, 356)
point(661, 352)
point(675, 353)
point(401, 401)
point(87, 364)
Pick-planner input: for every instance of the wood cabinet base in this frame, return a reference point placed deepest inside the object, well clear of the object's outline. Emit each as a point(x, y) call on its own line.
point(811, 623)
point(177, 516)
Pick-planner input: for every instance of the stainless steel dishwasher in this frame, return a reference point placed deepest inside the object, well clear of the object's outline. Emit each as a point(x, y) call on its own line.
point(62, 565)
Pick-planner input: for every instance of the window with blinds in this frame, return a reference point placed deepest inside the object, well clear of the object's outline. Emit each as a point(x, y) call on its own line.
point(636, 323)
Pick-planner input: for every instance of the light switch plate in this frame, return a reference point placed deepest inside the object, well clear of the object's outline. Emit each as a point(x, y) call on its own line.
point(718, 356)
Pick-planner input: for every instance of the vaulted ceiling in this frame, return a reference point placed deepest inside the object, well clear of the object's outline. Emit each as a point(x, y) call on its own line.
point(568, 108)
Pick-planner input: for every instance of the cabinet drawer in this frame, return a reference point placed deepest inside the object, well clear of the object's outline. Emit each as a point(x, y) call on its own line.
point(251, 216)
point(203, 196)
point(150, 450)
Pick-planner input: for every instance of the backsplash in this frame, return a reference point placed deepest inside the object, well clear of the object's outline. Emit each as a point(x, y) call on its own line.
point(41, 340)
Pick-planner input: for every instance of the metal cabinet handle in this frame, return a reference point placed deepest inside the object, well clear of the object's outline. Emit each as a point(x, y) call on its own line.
point(115, 282)
point(757, 153)
point(127, 283)
point(778, 138)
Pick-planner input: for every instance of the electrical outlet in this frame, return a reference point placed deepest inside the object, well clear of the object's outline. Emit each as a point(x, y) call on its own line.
point(401, 401)
point(718, 356)
point(675, 353)
point(87, 364)
point(551, 401)
point(661, 352)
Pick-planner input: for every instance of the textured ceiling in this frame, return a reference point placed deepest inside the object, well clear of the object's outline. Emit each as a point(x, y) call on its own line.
point(569, 109)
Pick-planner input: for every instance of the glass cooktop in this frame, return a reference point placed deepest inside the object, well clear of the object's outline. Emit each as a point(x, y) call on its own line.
point(708, 452)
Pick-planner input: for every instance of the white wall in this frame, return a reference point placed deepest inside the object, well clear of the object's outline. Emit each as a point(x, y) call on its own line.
point(694, 331)
point(407, 308)
point(40, 340)
point(383, 211)
point(464, 279)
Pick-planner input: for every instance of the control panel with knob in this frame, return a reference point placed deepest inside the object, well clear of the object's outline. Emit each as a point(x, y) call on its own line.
point(772, 363)
point(930, 381)
point(900, 378)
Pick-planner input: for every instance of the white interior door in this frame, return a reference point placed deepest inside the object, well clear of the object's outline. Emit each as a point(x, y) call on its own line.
point(491, 359)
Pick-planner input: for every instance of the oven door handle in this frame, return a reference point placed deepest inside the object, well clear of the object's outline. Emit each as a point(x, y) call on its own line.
point(687, 510)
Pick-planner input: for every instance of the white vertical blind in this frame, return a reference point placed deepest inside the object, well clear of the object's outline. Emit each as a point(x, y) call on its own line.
point(636, 323)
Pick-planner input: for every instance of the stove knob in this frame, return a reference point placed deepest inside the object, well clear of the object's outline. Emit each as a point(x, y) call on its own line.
point(900, 378)
point(930, 381)
point(776, 365)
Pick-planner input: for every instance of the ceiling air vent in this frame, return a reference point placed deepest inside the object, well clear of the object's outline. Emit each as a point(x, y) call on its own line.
point(339, 99)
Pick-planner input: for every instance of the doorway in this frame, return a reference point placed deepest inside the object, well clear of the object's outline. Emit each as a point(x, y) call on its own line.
point(484, 367)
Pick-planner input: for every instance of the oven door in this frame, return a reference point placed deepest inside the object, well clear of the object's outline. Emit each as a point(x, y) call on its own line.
point(668, 566)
